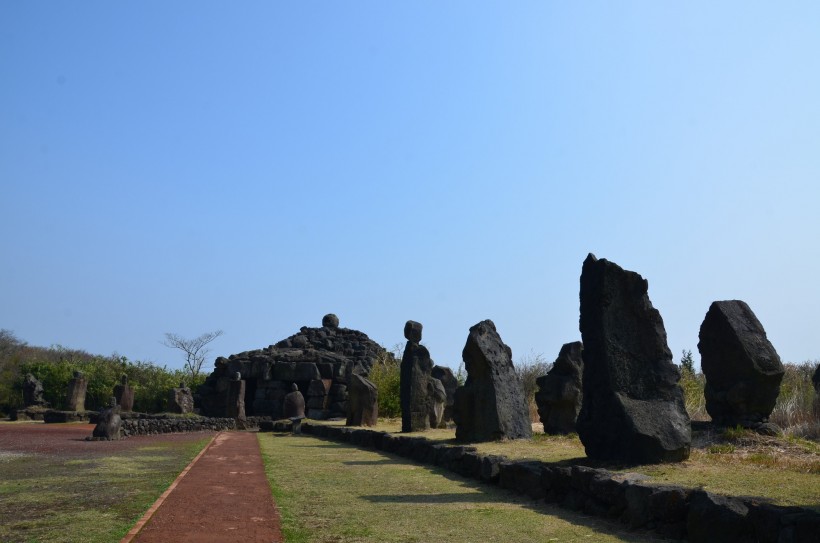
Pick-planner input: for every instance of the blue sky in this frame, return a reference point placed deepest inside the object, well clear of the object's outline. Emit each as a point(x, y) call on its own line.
point(191, 166)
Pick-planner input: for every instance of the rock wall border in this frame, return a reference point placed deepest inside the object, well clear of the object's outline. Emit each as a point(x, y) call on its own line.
point(672, 511)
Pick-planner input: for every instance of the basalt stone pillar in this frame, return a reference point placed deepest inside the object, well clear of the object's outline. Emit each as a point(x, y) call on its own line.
point(560, 391)
point(362, 402)
point(491, 404)
point(124, 394)
point(416, 366)
point(293, 404)
point(33, 392)
point(450, 383)
point(75, 393)
point(742, 369)
point(181, 400)
point(633, 409)
point(235, 408)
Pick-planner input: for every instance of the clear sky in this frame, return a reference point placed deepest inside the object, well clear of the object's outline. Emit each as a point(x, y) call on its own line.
point(191, 166)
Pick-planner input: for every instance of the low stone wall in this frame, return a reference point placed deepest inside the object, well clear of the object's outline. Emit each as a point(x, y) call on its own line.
point(142, 424)
point(675, 512)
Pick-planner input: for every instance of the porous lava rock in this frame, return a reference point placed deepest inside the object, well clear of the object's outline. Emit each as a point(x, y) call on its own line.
point(633, 409)
point(363, 402)
point(560, 391)
point(742, 369)
point(491, 404)
point(416, 369)
point(450, 384)
point(326, 353)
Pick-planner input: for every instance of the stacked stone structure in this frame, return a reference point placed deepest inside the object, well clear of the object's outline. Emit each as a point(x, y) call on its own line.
point(743, 371)
point(633, 409)
point(416, 368)
point(180, 400)
point(491, 404)
point(560, 391)
point(327, 355)
point(75, 393)
point(124, 394)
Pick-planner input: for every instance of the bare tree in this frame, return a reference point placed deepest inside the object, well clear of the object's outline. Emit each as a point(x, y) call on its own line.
point(194, 349)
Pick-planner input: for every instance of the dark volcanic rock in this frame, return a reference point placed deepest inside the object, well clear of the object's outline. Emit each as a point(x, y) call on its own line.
point(416, 367)
point(75, 392)
point(633, 409)
point(559, 391)
point(293, 404)
point(33, 392)
point(362, 402)
point(491, 404)
point(742, 369)
point(450, 383)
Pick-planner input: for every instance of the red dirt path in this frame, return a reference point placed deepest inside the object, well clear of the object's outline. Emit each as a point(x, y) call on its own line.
point(225, 498)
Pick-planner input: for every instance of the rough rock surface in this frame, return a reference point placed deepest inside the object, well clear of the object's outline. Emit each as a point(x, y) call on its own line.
point(491, 404)
point(108, 423)
point(416, 367)
point(450, 383)
point(124, 394)
point(75, 393)
point(742, 369)
point(560, 391)
point(294, 404)
point(363, 402)
point(33, 392)
point(633, 409)
point(326, 353)
point(180, 400)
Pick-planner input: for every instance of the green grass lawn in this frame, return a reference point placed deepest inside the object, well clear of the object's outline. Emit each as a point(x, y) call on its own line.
point(779, 470)
point(51, 499)
point(333, 492)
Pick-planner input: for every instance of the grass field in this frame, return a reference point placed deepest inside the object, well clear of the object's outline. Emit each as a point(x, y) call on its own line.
point(332, 492)
point(782, 470)
point(48, 498)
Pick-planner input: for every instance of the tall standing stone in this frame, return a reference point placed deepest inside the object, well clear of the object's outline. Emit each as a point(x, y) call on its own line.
point(236, 398)
point(742, 369)
point(124, 394)
point(363, 401)
point(491, 404)
point(633, 409)
point(75, 392)
point(416, 366)
point(560, 391)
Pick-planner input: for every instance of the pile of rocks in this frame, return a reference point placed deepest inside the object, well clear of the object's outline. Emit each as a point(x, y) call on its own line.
point(318, 360)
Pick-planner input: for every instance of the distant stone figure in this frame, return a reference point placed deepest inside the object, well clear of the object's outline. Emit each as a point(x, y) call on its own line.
point(450, 384)
point(33, 392)
point(438, 398)
point(633, 409)
point(293, 405)
point(124, 394)
point(742, 369)
point(330, 321)
point(363, 402)
point(75, 393)
point(416, 366)
point(109, 422)
point(560, 391)
point(181, 400)
point(491, 404)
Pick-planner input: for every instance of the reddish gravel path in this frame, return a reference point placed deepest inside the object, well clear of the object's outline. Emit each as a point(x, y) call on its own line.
point(225, 498)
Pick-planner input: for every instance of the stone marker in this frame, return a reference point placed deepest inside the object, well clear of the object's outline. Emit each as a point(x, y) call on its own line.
point(75, 392)
point(416, 366)
point(293, 404)
point(633, 409)
point(236, 398)
point(124, 394)
point(742, 369)
point(362, 402)
point(491, 404)
point(33, 392)
point(181, 400)
point(560, 391)
point(450, 383)
point(109, 422)
point(438, 397)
